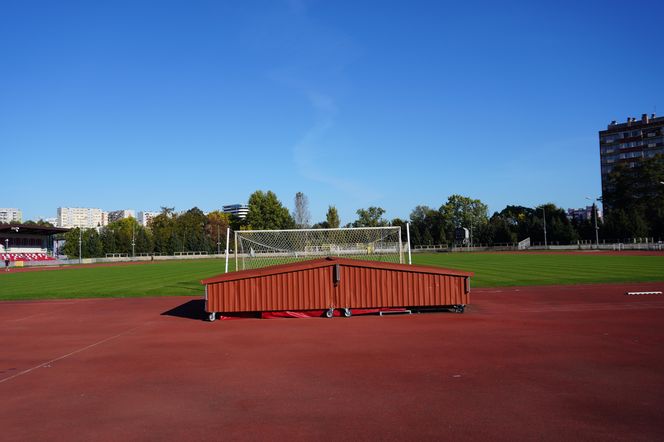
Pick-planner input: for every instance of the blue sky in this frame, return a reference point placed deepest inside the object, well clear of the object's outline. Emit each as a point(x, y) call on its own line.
point(140, 104)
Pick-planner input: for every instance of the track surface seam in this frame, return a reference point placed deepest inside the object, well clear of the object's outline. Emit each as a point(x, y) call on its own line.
point(87, 347)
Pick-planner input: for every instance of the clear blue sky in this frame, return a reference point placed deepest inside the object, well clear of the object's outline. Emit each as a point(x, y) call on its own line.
point(142, 104)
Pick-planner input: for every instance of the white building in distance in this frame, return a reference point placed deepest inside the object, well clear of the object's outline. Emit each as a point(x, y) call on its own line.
point(8, 215)
point(144, 218)
point(84, 217)
point(584, 214)
point(239, 210)
point(117, 215)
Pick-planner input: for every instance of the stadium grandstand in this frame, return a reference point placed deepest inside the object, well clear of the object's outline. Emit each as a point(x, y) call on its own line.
point(21, 242)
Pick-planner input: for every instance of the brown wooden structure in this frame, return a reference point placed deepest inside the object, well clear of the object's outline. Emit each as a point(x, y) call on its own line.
point(336, 283)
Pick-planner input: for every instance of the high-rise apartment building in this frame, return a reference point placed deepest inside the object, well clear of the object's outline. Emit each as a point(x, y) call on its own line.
point(630, 142)
point(84, 217)
point(8, 215)
point(144, 218)
point(117, 215)
point(239, 210)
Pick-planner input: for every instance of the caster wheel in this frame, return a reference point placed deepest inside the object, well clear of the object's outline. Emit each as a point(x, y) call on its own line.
point(329, 313)
point(347, 313)
point(212, 317)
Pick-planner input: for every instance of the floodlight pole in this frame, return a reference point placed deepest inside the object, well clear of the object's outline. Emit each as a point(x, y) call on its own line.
point(410, 260)
point(228, 233)
point(80, 241)
point(133, 241)
point(218, 243)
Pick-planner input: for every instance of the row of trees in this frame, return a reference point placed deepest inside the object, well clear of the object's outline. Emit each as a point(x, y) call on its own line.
point(633, 207)
point(169, 232)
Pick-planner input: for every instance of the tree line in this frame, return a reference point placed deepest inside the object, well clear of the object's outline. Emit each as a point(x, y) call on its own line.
point(167, 233)
point(633, 208)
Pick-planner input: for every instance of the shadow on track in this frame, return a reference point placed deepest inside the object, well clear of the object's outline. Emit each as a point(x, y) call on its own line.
point(194, 309)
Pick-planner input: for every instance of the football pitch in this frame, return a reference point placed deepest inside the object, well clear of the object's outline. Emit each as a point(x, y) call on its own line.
point(181, 278)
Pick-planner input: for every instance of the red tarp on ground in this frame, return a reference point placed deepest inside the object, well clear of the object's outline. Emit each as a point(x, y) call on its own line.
point(304, 313)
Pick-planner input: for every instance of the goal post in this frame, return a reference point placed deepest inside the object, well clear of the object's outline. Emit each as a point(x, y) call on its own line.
point(261, 248)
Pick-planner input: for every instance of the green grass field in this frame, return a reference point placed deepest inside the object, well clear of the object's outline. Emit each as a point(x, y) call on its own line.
point(182, 277)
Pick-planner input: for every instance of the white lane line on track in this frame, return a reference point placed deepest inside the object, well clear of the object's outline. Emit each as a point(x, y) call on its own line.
point(87, 347)
point(49, 312)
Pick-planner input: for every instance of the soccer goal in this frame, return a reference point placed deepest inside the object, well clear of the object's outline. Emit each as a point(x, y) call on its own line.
point(261, 248)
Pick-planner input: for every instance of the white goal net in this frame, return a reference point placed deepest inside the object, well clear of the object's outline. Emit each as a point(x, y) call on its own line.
point(261, 248)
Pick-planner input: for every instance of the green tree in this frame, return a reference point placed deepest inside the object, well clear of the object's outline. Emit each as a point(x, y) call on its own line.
point(426, 226)
point(163, 231)
point(190, 228)
point(91, 245)
point(94, 244)
point(332, 217)
point(118, 236)
point(215, 228)
point(371, 217)
point(501, 231)
point(71, 243)
point(144, 242)
point(267, 213)
point(40, 222)
point(462, 211)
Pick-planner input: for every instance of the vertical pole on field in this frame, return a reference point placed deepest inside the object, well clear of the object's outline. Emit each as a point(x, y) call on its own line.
point(80, 241)
point(218, 243)
point(228, 238)
point(400, 247)
point(410, 260)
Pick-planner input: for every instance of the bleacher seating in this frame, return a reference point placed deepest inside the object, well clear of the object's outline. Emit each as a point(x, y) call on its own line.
point(26, 257)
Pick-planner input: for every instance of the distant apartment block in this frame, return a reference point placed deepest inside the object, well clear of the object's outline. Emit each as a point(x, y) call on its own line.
point(144, 218)
point(239, 210)
point(630, 142)
point(584, 214)
point(117, 215)
point(8, 215)
point(71, 217)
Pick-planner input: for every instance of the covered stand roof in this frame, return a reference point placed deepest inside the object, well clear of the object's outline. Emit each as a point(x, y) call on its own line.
point(31, 229)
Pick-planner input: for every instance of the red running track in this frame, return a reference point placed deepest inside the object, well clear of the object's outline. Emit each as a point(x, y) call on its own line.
point(547, 363)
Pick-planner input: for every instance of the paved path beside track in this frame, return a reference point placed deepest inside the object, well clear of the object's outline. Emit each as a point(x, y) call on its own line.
point(547, 363)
